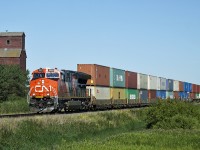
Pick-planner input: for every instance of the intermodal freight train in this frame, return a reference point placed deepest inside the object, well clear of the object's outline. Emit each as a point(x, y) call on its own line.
point(94, 86)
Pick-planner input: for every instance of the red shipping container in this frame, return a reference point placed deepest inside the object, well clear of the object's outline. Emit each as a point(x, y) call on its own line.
point(176, 94)
point(198, 88)
point(192, 95)
point(194, 88)
point(100, 75)
point(151, 94)
point(131, 80)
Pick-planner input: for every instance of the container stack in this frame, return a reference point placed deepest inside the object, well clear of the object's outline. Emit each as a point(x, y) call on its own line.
point(131, 87)
point(176, 89)
point(152, 87)
point(142, 86)
point(116, 86)
point(170, 88)
point(99, 85)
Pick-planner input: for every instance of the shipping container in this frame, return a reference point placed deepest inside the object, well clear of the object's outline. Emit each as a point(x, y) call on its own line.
point(161, 94)
point(163, 83)
point(100, 75)
point(186, 86)
point(152, 96)
point(176, 85)
point(190, 87)
point(197, 96)
point(143, 96)
point(132, 96)
point(158, 83)
point(183, 95)
point(118, 96)
point(194, 88)
point(169, 95)
point(192, 95)
point(131, 80)
point(198, 88)
point(176, 95)
point(142, 82)
point(181, 86)
point(101, 95)
point(152, 82)
point(170, 84)
point(117, 77)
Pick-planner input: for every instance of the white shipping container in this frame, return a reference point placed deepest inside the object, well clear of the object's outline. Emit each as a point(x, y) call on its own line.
point(158, 83)
point(176, 85)
point(163, 83)
point(100, 93)
point(152, 82)
point(142, 81)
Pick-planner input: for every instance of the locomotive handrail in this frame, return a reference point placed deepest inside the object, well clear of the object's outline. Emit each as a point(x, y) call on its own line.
point(28, 96)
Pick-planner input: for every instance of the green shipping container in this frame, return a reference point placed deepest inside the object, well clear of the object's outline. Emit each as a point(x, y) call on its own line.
point(117, 77)
point(132, 96)
point(197, 96)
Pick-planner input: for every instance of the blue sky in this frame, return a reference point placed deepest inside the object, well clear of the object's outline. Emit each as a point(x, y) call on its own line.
point(155, 37)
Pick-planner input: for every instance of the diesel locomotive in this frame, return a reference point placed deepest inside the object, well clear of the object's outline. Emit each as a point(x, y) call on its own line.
point(54, 90)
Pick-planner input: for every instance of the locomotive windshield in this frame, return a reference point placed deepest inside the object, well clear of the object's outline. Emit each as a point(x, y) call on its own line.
point(38, 75)
point(52, 75)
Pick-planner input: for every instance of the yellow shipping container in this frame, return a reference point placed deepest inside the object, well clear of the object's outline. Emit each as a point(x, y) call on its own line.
point(118, 96)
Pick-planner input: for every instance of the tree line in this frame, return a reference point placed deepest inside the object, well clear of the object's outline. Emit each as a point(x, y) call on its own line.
point(13, 82)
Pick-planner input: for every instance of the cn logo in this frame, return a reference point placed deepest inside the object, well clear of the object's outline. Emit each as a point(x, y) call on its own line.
point(42, 88)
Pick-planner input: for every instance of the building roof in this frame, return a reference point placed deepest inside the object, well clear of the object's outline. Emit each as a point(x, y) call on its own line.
point(4, 52)
point(11, 33)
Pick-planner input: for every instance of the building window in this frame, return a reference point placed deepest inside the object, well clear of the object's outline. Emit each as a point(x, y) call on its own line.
point(8, 42)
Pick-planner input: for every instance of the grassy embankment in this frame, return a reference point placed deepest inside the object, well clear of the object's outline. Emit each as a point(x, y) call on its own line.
point(170, 125)
point(14, 105)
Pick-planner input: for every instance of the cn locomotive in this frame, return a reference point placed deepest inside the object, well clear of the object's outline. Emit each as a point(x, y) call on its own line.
point(53, 90)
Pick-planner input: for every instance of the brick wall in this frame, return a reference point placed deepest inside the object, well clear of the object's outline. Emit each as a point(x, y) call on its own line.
point(10, 61)
point(12, 42)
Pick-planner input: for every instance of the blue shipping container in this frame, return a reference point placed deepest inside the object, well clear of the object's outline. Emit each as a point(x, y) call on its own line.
point(161, 94)
point(184, 95)
point(143, 94)
point(170, 85)
point(186, 87)
point(190, 87)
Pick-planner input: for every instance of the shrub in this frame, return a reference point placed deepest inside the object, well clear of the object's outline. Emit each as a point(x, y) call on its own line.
point(172, 115)
point(13, 81)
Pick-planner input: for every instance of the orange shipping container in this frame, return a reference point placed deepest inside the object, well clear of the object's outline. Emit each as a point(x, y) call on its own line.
point(181, 86)
point(100, 75)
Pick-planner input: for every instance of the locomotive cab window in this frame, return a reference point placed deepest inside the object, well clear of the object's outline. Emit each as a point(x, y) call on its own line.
point(38, 75)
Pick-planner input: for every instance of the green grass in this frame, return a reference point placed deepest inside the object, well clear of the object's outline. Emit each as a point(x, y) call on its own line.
point(118, 129)
point(140, 140)
point(16, 105)
point(49, 132)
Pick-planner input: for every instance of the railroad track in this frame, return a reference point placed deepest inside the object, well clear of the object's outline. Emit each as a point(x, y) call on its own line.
point(62, 113)
point(23, 115)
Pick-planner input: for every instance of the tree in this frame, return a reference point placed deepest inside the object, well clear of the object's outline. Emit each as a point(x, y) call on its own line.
point(13, 81)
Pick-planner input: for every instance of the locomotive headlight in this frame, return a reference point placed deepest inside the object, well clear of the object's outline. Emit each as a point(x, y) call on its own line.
point(33, 94)
point(47, 94)
point(42, 81)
